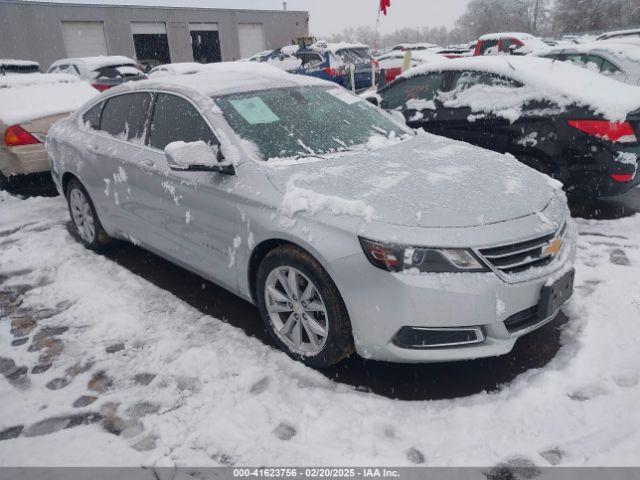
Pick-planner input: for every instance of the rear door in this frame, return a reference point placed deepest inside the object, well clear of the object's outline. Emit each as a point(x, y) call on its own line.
point(118, 147)
point(487, 129)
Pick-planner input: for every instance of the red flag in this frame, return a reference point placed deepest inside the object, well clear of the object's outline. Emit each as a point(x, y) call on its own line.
point(384, 5)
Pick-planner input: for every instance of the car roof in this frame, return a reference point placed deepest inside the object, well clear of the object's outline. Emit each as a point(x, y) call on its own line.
point(96, 63)
point(226, 78)
point(619, 33)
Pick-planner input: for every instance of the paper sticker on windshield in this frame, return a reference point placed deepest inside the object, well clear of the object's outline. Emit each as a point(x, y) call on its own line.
point(344, 95)
point(254, 110)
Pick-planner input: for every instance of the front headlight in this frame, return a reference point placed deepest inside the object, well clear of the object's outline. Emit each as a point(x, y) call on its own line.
point(398, 258)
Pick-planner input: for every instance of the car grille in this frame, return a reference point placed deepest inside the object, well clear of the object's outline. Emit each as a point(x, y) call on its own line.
point(519, 257)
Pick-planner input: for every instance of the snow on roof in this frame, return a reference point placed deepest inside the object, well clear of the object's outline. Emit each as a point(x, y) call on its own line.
point(96, 63)
point(183, 68)
point(414, 46)
point(18, 63)
point(529, 40)
point(635, 31)
point(561, 82)
point(31, 96)
point(229, 77)
point(336, 47)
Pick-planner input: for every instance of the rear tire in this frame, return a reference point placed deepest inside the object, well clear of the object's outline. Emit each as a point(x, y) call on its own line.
point(302, 308)
point(84, 217)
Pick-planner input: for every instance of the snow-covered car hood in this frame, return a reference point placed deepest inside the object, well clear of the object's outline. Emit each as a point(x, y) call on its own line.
point(427, 181)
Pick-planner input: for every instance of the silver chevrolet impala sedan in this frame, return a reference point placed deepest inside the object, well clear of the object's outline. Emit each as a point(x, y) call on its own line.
point(350, 232)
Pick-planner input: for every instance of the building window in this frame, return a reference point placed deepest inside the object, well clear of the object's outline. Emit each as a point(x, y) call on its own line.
point(205, 42)
point(151, 44)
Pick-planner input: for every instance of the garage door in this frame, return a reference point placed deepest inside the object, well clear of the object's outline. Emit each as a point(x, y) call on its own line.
point(251, 37)
point(84, 39)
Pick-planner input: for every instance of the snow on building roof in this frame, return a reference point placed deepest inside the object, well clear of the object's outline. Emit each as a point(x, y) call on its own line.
point(229, 77)
point(31, 96)
point(561, 82)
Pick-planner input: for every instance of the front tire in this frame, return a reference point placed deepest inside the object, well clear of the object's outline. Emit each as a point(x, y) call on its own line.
point(302, 308)
point(84, 217)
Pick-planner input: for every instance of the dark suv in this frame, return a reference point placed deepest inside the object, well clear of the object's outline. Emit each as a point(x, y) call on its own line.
point(513, 105)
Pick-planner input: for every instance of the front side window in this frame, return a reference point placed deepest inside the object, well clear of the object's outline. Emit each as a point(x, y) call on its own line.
point(304, 121)
point(422, 87)
point(125, 116)
point(176, 119)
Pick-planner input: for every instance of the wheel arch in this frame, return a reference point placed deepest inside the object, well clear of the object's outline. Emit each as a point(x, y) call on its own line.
point(261, 250)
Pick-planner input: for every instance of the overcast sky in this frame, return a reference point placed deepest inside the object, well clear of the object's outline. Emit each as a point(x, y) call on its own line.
point(331, 16)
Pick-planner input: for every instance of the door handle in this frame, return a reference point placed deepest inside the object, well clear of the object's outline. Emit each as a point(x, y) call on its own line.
point(93, 148)
point(148, 164)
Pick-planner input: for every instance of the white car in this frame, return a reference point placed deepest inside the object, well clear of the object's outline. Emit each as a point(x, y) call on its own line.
point(103, 72)
point(618, 58)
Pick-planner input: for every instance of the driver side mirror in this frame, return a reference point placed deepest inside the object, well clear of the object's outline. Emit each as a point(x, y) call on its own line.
point(197, 157)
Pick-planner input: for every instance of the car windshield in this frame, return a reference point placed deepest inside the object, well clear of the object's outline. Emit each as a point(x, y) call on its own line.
point(307, 121)
point(116, 71)
point(354, 55)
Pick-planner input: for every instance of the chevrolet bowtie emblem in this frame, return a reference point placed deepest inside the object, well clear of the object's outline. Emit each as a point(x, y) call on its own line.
point(554, 248)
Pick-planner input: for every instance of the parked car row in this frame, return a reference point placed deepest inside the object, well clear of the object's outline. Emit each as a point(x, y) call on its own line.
point(349, 230)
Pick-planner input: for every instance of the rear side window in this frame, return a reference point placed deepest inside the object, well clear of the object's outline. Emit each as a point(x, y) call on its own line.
point(176, 119)
point(92, 117)
point(466, 80)
point(488, 45)
point(423, 87)
point(310, 60)
point(125, 116)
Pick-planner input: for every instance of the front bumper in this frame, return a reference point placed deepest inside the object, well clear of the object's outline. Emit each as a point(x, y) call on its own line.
point(381, 304)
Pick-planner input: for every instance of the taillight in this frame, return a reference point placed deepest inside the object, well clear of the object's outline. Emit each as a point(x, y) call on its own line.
point(332, 72)
point(100, 87)
point(622, 177)
point(618, 132)
point(16, 136)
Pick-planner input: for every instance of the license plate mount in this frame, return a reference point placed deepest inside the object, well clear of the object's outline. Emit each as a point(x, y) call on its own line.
point(552, 297)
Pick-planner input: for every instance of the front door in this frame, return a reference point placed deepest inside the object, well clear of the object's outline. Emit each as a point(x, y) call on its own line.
point(199, 222)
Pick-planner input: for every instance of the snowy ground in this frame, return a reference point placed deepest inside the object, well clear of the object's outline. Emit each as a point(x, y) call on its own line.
point(100, 367)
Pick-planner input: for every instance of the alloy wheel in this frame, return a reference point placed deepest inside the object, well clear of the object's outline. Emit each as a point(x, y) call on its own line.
point(297, 312)
point(82, 214)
